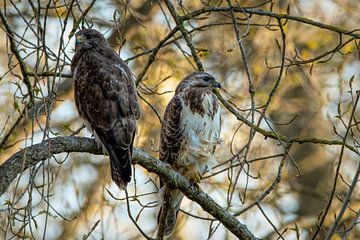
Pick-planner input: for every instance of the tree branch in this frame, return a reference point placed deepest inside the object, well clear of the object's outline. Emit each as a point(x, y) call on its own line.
point(179, 24)
point(270, 134)
point(337, 172)
point(15, 51)
point(346, 202)
point(260, 12)
point(32, 155)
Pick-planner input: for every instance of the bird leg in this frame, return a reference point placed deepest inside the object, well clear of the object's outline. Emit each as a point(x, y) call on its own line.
point(198, 187)
point(195, 176)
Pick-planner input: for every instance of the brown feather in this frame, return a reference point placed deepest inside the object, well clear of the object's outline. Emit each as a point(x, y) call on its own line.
point(171, 134)
point(105, 97)
point(188, 119)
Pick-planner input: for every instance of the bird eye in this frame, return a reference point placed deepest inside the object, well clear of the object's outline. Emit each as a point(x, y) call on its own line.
point(207, 78)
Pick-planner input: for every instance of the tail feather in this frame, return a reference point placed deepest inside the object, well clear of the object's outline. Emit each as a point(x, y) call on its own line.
point(171, 201)
point(120, 164)
point(120, 156)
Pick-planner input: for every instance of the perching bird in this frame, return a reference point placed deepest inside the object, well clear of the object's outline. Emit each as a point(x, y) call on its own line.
point(105, 97)
point(189, 134)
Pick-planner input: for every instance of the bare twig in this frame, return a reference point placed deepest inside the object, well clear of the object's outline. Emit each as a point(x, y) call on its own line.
point(271, 187)
point(345, 203)
point(179, 24)
point(304, 20)
point(325, 212)
point(15, 51)
point(272, 135)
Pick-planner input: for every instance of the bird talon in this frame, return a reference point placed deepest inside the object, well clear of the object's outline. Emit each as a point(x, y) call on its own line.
point(196, 177)
point(198, 187)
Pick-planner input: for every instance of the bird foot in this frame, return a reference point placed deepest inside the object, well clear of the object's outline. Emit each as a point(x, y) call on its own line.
point(198, 187)
point(196, 177)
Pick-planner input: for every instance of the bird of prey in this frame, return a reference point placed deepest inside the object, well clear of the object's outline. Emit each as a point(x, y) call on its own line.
point(105, 97)
point(189, 134)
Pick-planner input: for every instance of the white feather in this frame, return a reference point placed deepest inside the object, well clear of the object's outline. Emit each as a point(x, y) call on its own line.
point(201, 135)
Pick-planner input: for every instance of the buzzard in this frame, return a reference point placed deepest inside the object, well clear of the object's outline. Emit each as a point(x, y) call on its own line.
point(189, 134)
point(105, 97)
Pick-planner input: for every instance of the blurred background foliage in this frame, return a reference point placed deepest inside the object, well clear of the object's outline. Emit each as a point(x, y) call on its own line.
point(71, 196)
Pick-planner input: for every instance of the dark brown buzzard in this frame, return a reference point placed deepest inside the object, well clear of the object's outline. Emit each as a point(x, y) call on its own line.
point(105, 97)
point(189, 134)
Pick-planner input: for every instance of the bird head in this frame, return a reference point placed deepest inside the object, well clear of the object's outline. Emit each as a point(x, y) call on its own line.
point(199, 80)
point(89, 38)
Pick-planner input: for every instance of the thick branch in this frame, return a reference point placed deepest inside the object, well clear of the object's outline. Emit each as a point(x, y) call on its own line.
point(32, 155)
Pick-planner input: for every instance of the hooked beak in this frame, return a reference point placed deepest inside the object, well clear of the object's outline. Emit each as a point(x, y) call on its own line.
point(77, 41)
point(217, 85)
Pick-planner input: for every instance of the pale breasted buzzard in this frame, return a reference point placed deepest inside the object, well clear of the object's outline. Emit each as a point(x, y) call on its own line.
point(105, 97)
point(189, 134)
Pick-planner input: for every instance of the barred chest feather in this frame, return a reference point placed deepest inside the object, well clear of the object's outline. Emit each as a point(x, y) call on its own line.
point(201, 131)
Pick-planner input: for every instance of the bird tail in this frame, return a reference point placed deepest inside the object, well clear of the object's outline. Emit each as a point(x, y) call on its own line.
point(120, 164)
point(120, 152)
point(170, 206)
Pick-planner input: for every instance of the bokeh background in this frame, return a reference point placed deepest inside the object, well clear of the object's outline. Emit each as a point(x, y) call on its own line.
point(71, 196)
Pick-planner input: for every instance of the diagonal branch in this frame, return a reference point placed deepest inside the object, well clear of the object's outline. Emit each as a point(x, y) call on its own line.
point(270, 134)
point(345, 204)
point(337, 172)
point(179, 24)
point(32, 155)
point(260, 12)
point(16, 52)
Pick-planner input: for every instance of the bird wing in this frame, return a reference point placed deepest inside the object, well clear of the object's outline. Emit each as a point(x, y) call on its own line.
point(171, 133)
point(171, 141)
point(106, 98)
